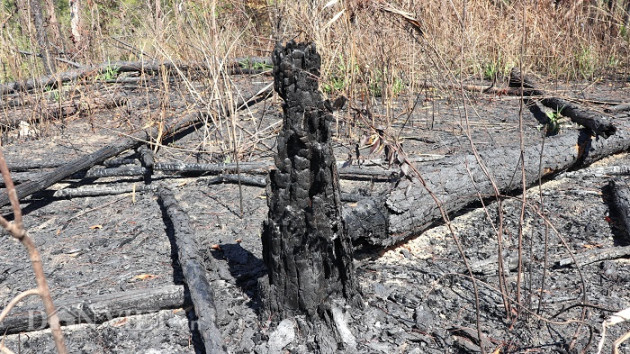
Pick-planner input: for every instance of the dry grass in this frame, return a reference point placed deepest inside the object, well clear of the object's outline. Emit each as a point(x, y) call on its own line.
point(362, 43)
point(369, 48)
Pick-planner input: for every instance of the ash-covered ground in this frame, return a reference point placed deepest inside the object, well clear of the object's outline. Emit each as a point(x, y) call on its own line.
point(418, 296)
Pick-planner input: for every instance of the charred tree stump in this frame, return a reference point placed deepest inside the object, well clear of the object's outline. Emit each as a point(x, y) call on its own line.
point(305, 244)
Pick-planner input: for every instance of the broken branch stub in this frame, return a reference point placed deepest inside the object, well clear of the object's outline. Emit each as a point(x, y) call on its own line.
point(305, 244)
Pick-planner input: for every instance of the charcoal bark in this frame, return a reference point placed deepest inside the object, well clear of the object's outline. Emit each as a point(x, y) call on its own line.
point(621, 204)
point(305, 245)
point(589, 119)
point(459, 180)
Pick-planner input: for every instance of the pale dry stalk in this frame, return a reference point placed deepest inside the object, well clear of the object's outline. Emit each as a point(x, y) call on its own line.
point(16, 229)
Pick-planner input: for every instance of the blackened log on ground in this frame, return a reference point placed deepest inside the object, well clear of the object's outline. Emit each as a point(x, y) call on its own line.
point(409, 210)
point(349, 172)
point(194, 272)
point(590, 119)
point(147, 160)
point(52, 81)
point(95, 172)
point(123, 188)
point(305, 245)
point(95, 191)
point(98, 309)
point(87, 161)
point(621, 203)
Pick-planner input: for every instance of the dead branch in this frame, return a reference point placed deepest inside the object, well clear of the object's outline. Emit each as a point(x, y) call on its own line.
point(16, 229)
point(149, 67)
point(194, 272)
point(56, 110)
point(101, 308)
point(97, 191)
point(19, 297)
point(590, 119)
point(175, 125)
point(595, 255)
point(618, 108)
point(124, 188)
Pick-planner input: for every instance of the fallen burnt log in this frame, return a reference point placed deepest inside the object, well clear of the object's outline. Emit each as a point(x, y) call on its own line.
point(97, 191)
point(589, 119)
point(124, 188)
point(196, 169)
point(99, 309)
point(194, 272)
point(26, 166)
point(348, 172)
point(48, 179)
point(459, 180)
point(58, 110)
point(51, 81)
point(509, 91)
point(621, 203)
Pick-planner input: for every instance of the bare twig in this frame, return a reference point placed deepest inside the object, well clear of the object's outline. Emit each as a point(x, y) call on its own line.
point(15, 301)
point(16, 229)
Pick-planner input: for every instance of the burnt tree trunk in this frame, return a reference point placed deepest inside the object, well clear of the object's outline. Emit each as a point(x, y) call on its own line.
point(459, 180)
point(305, 244)
point(42, 37)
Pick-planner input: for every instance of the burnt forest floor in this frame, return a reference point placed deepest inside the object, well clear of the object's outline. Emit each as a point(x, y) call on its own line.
point(418, 297)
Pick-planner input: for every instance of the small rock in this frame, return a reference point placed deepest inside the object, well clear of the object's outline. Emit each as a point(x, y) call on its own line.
point(342, 327)
point(177, 322)
point(406, 253)
point(424, 319)
point(282, 336)
point(247, 344)
point(380, 347)
point(381, 291)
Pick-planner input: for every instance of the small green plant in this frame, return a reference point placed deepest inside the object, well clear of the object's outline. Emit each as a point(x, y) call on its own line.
point(398, 86)
point(552, 127)
point(381, 78)
point(339, 77)
point(54, 93)
point(585, 62)
point(110, 73)
point(247, 64)
point(613, 61)
point(335, 84)
point(490, 70)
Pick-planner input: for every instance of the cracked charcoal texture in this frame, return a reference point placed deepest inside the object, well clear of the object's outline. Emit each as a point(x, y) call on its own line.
point(305, 245)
